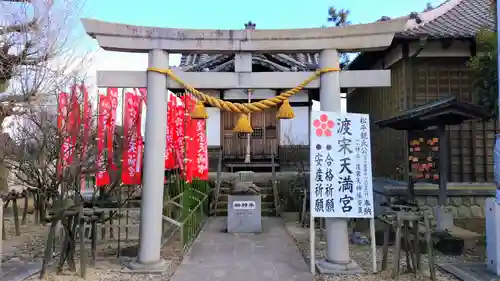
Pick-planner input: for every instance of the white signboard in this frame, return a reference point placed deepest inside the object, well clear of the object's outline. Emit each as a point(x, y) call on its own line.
point(244, 205)
point(341, 168)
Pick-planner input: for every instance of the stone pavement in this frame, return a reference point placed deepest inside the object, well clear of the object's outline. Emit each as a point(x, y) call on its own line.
point(17, 270)
point(469, 271)
point(269, 256)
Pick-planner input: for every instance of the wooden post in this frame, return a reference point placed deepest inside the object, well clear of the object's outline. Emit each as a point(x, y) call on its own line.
point(443, 165)
point(428, 242)
point(385, 247)
point(397, 254)
point(15, 211)
point(249, 136)
point(444, 220)
point(217, 184)
point(1, 233)
point(275, 188)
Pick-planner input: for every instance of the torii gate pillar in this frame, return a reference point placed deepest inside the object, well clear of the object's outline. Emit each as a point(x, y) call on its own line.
point(337, 256)
point(150, 230)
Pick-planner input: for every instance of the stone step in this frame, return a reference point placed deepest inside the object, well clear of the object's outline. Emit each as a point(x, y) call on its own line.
point(264, 205)
point(221, 212)
point(264, 197)
point(263, 190)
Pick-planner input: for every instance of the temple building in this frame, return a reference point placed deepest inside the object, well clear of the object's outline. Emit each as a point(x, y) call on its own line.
point(428, 61)
point(281, 138)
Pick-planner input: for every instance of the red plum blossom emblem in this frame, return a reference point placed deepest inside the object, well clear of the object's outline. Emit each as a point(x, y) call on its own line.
point(323, 126)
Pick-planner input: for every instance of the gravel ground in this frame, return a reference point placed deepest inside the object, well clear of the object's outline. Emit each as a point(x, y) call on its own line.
point(30, 245)
point(109, 268)
point(363, 256)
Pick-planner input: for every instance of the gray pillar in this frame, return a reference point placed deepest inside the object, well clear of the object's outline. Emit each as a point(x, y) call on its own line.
point(150, 231)
point(337, 255)
point(443, 217)
point(496, 154)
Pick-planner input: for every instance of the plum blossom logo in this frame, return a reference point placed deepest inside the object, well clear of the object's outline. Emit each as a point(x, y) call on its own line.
point(323, 126)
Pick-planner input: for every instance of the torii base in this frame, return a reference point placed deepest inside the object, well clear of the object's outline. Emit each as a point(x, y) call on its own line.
point(134, 266)
point(326, 267)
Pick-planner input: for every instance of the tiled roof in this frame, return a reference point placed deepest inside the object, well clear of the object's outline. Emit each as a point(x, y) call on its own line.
point(275, 62)
point(452, 19)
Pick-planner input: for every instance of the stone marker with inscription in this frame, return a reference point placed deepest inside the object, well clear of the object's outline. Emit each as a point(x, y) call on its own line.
point(244, 214)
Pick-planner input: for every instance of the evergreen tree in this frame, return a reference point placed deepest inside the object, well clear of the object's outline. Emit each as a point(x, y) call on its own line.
point(484, 68)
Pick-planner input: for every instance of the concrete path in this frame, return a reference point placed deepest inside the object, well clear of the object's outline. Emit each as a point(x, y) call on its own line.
point(269, 256)
point(17, 270)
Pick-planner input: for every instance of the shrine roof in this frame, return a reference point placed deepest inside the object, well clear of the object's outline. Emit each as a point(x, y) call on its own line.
point(447, 111)
point(452, 19)
point(274, 62)
point(458, 19)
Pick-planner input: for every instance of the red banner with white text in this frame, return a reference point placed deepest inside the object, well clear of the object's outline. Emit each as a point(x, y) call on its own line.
point(104, 110)
point(86, 120)
point(190, 147)
point(72, 126)
point(110, 131)
point(200, 145)
point(171, 139)
point(132, 146)
point(62, 120)
point(179, 125)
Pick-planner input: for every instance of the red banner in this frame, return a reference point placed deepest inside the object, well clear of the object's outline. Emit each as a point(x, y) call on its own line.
point(144, 94)
point(62, 119)
point(132, 145)
point(201, 159)
point(110, 131)
point(189, 147)
point(73, 126)
point(197, 153)
point(104, 111)
point(86, 119)
point(178, 134)
point(170, 162)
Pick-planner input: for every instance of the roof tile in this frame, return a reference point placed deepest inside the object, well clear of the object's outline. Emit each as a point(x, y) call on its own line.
point(454, 19)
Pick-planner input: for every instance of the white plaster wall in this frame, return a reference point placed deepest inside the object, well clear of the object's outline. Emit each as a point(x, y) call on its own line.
point(295, 131)
point(343, 103)
point(213, 126)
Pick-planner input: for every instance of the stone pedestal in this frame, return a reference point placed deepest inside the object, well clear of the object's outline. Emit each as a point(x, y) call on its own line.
point(444, 218)
point(492, 213)
point(244, 214)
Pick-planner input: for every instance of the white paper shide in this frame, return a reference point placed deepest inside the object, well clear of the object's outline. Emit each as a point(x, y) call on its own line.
point(340, 161)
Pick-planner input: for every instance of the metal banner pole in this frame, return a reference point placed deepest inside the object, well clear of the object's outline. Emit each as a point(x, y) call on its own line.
point(312, 246)
point(374, 245)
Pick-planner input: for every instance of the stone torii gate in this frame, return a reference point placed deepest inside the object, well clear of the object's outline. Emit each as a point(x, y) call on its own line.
point(159, 42)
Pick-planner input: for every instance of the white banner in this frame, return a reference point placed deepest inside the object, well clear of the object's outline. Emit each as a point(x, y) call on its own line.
point(341, 168)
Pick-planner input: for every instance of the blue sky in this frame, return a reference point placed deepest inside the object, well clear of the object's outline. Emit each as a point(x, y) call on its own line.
point(224, 14)
point(232, 14)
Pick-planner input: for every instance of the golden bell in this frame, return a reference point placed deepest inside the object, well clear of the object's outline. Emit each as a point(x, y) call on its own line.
point(199, 111)
point(243, 125)
point(285, 111)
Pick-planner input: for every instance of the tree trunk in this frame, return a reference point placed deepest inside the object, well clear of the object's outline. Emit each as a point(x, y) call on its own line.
point(4, 174)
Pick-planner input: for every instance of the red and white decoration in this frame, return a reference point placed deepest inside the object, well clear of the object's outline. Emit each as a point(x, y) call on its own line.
point(104, 112)
point(186, 138)
point(132, 141)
